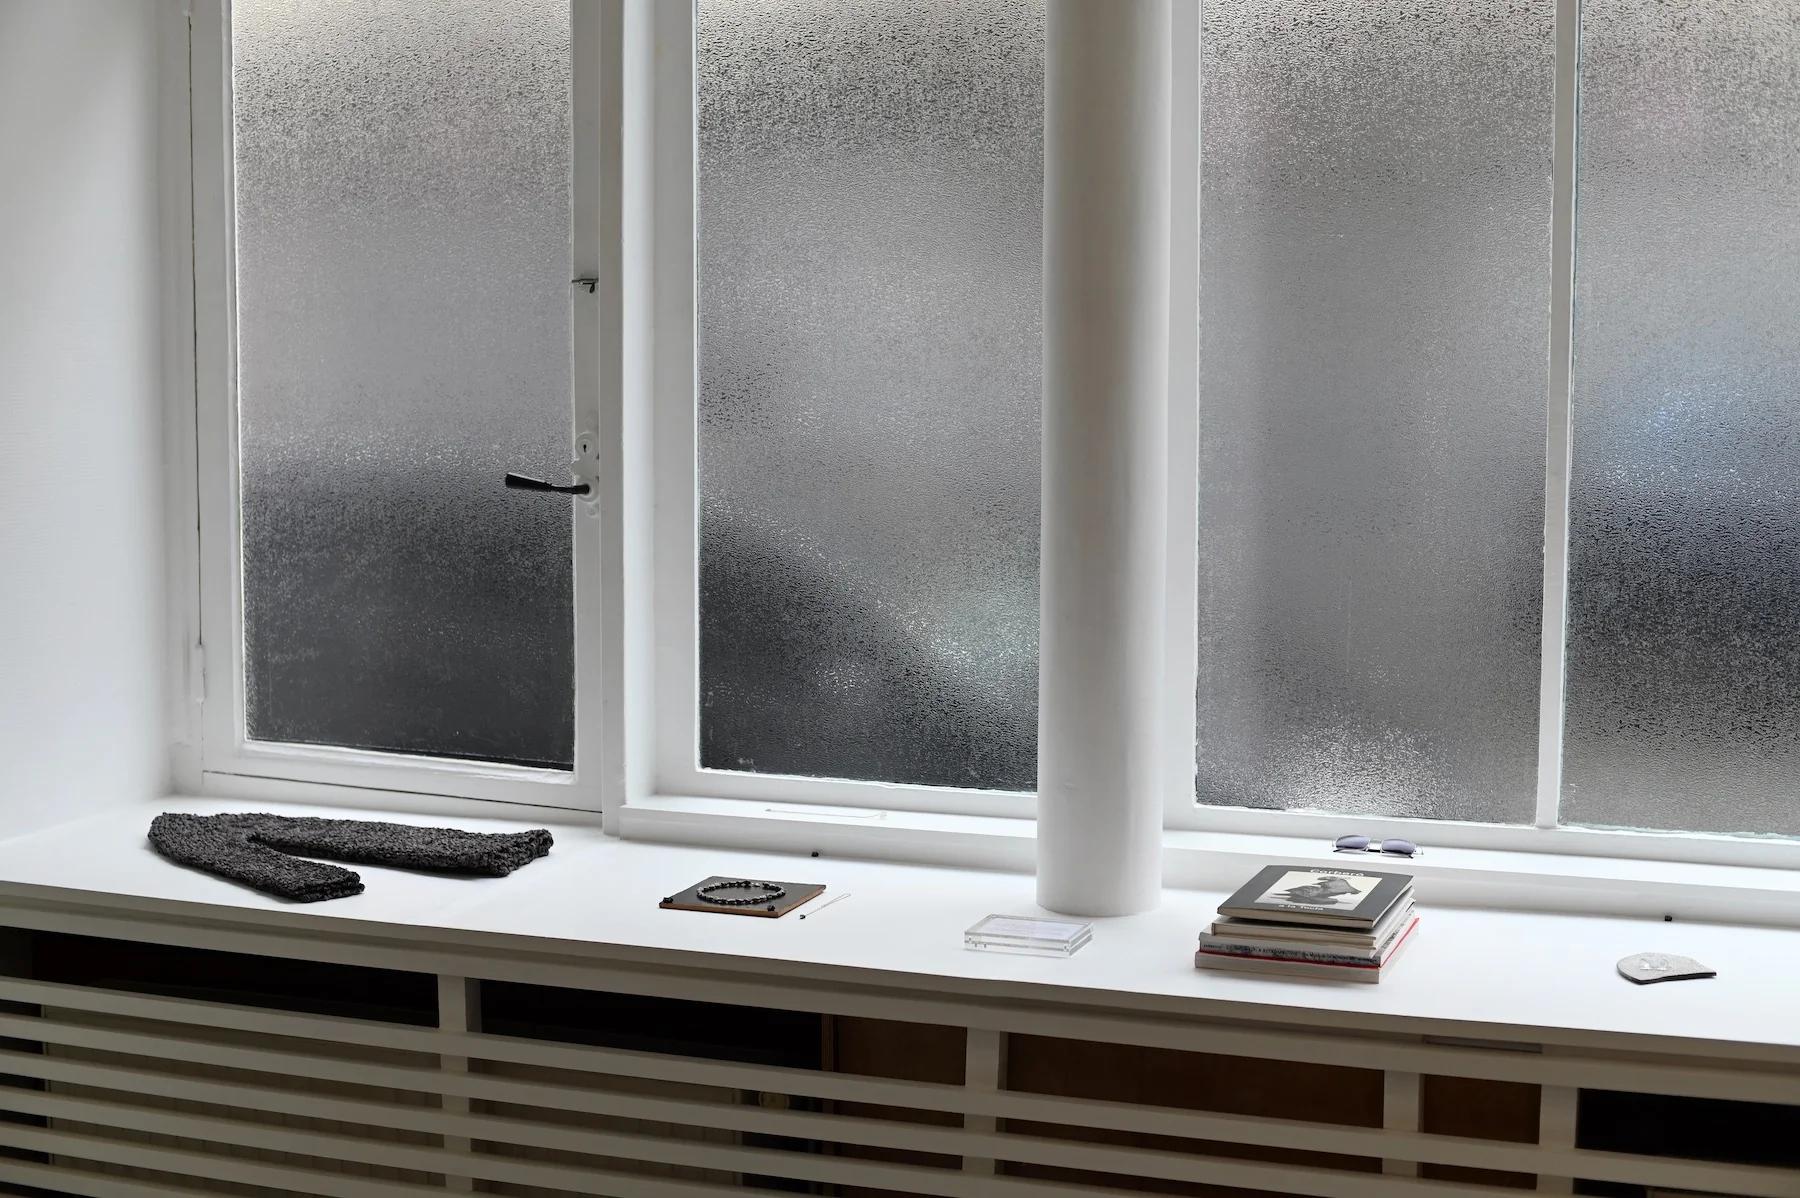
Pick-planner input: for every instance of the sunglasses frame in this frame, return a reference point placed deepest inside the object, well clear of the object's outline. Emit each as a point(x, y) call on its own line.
point(1372, 845)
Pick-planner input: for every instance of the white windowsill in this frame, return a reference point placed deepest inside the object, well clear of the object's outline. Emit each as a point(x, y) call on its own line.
point(1464, 877)
point(1503, 975)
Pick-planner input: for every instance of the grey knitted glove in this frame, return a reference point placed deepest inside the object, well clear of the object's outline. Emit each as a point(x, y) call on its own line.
point(254, 849)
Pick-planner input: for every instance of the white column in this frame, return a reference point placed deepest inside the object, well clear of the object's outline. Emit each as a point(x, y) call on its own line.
point(1106, 288)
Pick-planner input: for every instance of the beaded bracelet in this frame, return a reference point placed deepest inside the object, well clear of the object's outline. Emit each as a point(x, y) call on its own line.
point(770, 893)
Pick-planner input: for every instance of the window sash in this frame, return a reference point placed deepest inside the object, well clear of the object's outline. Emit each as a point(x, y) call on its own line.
point(1184, 811)
point(676, 536)
point(228, 758)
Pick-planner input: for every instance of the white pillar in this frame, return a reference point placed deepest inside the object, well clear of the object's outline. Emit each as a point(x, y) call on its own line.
point(1106, 308)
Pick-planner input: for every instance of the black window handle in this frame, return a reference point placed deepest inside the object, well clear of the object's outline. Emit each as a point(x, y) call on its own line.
point(522, 482)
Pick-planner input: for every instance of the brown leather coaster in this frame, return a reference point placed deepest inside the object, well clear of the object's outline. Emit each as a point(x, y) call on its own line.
point(794, 894)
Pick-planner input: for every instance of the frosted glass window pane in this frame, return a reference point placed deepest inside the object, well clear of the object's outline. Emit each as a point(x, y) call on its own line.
point(403, 335)
point(1683, 681)
point(1375, 214)
point(870, 191)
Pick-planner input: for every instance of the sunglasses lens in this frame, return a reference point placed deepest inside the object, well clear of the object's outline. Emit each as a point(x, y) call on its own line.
point(1401, 848)
point(1353, 842)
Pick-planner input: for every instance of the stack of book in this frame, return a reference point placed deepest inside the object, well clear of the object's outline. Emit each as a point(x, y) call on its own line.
point(1345, 924)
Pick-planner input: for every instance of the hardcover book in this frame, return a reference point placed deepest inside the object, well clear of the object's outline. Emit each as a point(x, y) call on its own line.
point(1298, 933)
point(1347, 898)
point(1367, 971)
point(1294, 950)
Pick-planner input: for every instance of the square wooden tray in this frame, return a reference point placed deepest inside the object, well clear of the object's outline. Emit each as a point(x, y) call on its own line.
point(798, 893)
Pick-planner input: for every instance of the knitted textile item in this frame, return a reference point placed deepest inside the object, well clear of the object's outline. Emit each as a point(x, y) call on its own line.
point(254, 849)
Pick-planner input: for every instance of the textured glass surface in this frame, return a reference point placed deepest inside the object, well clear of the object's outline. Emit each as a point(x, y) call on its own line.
point(1683, 680)
point(1375, 213)
point(403, 333)
point(871, 192)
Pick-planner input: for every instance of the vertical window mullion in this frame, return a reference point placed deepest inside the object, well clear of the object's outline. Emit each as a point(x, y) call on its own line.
point(220, 636)
point(1181, 601)
point(1554, 639)
point(596, 41)
point(674, 551)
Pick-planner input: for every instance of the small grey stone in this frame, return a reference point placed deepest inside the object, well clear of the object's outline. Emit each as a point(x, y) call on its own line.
point(1644, 968)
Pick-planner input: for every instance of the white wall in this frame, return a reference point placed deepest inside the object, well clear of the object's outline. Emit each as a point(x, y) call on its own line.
point(81, 534)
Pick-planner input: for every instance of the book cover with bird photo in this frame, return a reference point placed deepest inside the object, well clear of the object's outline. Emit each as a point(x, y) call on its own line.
point(1350, 898)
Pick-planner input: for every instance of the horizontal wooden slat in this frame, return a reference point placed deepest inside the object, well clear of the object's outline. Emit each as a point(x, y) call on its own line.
point(1237, 1129)
point(191, 1163)
point(225, 1056)
point(66, 1179)
point(182, 1162)
point(337, 1029)
point(911, 1179)
point(1681, 1078)
point(528, 1134)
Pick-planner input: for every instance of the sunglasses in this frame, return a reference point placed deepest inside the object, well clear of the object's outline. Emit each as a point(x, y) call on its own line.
point(1365, 844)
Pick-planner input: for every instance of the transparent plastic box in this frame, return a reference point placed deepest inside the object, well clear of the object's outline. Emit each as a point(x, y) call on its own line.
point(1028, 934)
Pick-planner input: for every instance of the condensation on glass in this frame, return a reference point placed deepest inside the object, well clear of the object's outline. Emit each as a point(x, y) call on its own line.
point(403, 217)
point(1375, 215)
point(870, 246)
point(1683, 682)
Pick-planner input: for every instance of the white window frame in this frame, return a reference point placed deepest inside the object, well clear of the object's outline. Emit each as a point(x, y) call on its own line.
point(669, 794)
point(669, 97)
point(1544, 835)
point(228, 760)
point(637, 615)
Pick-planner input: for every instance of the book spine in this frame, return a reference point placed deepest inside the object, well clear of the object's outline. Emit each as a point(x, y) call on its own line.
point(1269, 953)
point(1300, 935)
point(1317, 918)
point(1266, 952)
point(1324, 943)
point(1309, 969)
